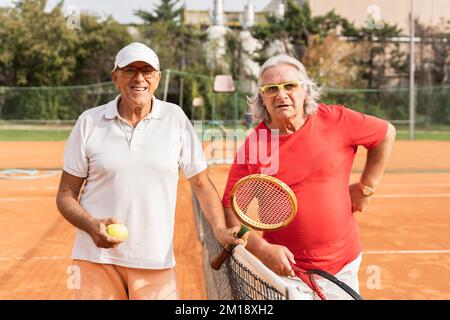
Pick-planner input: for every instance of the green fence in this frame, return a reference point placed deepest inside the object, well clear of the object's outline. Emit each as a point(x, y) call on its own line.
point(432, 104)
point(52, 103)
point(66, 103)
point(184, 88)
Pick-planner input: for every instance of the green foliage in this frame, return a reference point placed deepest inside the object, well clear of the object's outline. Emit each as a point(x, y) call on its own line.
point(432, 59)
point(36, 46)
point(234, 54)
point(65, 103)
point(294, 30)
point(168, 11)
point(39, 49)
point(97, 44)
point(380, 54)
point(179, 47)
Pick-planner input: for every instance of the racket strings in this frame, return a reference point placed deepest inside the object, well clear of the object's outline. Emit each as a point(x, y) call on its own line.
point(264, 202)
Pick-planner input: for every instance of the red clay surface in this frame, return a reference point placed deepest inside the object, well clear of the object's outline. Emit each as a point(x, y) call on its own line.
point(405, 231)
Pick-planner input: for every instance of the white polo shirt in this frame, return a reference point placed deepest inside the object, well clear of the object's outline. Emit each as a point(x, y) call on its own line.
point(132, 175)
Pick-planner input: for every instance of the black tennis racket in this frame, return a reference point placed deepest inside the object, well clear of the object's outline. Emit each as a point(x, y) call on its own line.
point(317, 280)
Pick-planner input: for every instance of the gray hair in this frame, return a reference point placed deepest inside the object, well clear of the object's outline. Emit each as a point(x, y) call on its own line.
point(255, 102)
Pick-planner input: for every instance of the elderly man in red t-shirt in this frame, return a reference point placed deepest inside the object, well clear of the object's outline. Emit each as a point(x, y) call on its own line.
point(315, 148)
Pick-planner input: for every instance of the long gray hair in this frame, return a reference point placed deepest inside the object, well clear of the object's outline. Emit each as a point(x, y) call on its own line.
point(256, 104)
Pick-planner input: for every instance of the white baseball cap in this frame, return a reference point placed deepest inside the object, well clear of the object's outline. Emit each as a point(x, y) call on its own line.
point(136, 51)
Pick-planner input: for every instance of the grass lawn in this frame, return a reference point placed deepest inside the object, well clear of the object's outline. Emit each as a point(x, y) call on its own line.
point(424, 135)
point(33, 135)
point(62, 135)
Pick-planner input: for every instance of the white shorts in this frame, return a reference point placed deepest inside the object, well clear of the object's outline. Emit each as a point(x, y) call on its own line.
point(348, 274)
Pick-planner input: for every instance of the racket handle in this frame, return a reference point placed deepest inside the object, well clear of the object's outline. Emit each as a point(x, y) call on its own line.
point(217, 263)
point(228, 250)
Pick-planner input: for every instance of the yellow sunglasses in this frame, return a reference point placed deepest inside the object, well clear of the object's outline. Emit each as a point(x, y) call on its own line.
point(272, 90)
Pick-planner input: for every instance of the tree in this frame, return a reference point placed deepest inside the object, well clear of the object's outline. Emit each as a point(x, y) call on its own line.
point(169, 11)
point(293, 32)
point(36, 47)
point(39, 48)
point(433, 72)
point(330, 61)
point(178, 46)
point(97, 43)
point(382, 56)
point(433, 67)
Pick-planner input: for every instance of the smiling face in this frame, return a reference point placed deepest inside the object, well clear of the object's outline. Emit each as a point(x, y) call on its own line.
point(136, 90)
point(286, 105)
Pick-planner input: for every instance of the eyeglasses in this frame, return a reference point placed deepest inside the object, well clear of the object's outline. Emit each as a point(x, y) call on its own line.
point(130, 72)
point(272, 90)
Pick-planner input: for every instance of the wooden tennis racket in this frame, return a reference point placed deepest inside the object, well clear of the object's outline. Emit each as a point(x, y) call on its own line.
point(260, 202)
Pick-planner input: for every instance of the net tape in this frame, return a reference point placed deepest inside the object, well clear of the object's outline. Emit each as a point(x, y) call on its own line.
point(242, 277)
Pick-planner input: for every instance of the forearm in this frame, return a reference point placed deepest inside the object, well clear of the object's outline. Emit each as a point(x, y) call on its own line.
point(377, 159)
point(68, 205)
point(256, 243)
point(71, 210)
point(230, 218)
point(209, 200)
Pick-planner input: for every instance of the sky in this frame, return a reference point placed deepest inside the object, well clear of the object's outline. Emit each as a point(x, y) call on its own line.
point(123, 11)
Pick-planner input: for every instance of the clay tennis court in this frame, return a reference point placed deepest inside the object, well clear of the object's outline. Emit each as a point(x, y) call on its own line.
point(405, 231)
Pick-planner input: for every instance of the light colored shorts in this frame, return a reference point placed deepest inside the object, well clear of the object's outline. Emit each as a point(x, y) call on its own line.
point(112, 282)
point(348, 274)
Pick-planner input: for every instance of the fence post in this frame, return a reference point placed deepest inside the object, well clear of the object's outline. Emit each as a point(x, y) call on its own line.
point(411, 74)
point(166, 85)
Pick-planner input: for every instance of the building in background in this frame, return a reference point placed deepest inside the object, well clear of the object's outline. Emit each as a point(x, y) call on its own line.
point(428, 12)
point(217, 32)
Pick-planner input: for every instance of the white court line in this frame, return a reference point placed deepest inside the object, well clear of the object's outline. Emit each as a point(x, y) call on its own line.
point(413, 195)
point(394, 252)
point(33, 188)
point(16, 199)
point(407, 185)
point(368, 252)
point(35, 258)
point(394, 195)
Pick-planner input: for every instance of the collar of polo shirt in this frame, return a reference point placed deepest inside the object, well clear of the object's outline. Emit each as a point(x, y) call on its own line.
point(111, 111)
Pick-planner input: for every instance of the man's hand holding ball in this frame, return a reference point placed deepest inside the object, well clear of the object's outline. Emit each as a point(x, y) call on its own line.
point(118, 231)
point(108, 233)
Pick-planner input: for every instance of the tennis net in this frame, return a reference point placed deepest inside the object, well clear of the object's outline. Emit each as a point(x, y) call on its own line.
point(243, 276)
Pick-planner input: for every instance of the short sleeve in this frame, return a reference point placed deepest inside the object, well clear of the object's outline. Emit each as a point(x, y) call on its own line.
point(76, 161)
point(363, 129)
point(192, 160)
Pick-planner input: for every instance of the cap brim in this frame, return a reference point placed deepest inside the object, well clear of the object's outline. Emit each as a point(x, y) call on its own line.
point(126, 62)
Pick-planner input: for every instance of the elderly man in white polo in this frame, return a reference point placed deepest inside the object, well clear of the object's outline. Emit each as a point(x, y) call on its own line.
point(127, 153)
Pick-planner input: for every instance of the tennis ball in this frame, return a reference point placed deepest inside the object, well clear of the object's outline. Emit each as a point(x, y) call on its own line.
point(118, 231)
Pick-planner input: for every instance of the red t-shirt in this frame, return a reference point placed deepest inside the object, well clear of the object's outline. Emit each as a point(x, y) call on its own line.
point(316, 162)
